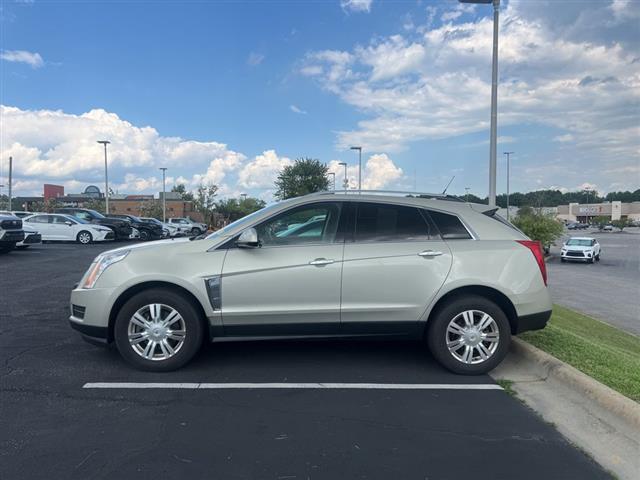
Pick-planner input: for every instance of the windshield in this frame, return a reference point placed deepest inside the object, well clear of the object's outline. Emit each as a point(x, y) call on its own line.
point(244, 221)
point(577, 242)
point(152, 220)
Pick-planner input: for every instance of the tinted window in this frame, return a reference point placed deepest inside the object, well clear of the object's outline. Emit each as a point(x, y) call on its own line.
point(315, 223)
point(82, 215)
point(450, 226)
point(381, 222)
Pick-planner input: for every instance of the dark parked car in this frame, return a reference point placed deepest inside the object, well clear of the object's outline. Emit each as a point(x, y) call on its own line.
point(10, 232)
point(121, 228)
point(148, 230)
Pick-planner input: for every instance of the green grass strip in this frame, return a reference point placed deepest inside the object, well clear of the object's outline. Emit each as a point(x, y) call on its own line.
point(603, 352)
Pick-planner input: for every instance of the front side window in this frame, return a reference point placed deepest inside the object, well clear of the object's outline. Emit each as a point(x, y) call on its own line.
point(315, 223)
point(380, 222)
point(59, 219)
point(83, 215)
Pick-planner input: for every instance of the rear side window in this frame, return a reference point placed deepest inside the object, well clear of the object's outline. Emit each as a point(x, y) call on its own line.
point(379, 222)
point(450, 226)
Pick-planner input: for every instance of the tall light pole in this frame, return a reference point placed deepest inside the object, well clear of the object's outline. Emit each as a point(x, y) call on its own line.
point(359, 149)
point(106, 175)
point(164, 194)
point(586, 189)
point(493, 140)
point(508, 154)
point(466, 195)
point(346, 182)
point(333, 182)
point(10, 179)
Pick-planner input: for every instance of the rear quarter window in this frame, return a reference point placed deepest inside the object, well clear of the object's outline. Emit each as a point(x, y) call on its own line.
point(450, 226)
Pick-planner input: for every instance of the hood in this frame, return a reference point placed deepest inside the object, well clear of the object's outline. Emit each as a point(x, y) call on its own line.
point(169, 242)
point(577, 248)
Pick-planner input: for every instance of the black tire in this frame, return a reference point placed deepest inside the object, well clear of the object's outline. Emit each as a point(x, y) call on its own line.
point(144, 235)
point(562, 260)
point(591, 260)
point(598, 258)
point(437, 334)
point(195, 231)
point(194, 329)
point(7, 248)
point(84, 237)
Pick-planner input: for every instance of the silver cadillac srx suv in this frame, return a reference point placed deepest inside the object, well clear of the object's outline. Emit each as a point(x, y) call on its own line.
point(324, 265)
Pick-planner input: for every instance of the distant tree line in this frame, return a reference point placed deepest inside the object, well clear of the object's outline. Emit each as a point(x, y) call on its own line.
point(553, 198)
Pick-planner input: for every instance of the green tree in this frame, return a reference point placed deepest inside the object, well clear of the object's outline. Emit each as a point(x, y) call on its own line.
point(205, 201)
point(232, 209)
point(182, 190)
point(151, 208)
point(96, 204)
point(600, 221)
point(537, 226)
point(621, 223)
point(306, 175)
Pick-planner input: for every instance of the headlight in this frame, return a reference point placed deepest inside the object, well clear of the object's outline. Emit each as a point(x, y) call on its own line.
point(99, 265)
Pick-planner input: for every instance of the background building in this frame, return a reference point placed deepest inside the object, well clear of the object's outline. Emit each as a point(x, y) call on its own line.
point(580, 212)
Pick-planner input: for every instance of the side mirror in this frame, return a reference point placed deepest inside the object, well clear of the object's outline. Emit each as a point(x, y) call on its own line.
point(68, 222)
point(248, 239)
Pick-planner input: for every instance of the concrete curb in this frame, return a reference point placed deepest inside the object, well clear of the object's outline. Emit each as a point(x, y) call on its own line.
point(549, 367)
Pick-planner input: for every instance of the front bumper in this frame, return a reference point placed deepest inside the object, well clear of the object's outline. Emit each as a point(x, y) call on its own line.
point(11, 236)
point(90, 311)
point(30, 239)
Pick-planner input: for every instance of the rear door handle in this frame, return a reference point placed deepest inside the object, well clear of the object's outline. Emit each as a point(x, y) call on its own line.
point(318, 262)
point(429, 253)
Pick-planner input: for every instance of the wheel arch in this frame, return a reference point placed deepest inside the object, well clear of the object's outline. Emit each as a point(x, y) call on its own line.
point(135, 289)
point(490, 293)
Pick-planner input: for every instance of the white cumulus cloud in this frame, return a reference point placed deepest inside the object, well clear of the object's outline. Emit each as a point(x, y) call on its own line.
point(33, 59)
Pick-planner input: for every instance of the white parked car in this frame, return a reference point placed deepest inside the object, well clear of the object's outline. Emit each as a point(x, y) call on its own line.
point(59, 227)
point(584, 249)
point(188, 226)
point(451, 273)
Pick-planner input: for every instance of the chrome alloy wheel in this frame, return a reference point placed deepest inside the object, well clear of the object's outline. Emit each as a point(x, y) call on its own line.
point(156, 332)
point(84, 237)
point(472, 337)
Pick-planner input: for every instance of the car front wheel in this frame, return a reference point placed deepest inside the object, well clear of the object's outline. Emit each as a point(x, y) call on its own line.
point(469, 335)
point(158, 330)
point(84, 237)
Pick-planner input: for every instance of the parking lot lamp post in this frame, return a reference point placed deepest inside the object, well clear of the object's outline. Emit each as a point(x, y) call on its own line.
point(164, 194)
point(508, 154)
point(346, 181)
point(359, 149)
point(466, 195)
point(494, 100)
point(10, 180)
point(333, 180)
point(106, 175)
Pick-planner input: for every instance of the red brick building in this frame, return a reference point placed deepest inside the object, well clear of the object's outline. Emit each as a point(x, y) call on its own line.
point(53, 191)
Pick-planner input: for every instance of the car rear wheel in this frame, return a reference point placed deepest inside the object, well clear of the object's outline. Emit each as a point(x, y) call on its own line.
point(144, 235)
point(195, 231)
point(469, 335)
point(84, 237)
point(158, 330)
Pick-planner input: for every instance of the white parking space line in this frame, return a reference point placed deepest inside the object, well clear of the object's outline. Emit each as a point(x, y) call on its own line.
point(252, 386)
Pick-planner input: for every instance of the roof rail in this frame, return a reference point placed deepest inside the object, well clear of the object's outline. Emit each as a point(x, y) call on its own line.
point(439, 196)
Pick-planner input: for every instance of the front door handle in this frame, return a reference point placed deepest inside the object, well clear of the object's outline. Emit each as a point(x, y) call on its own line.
point(318, 262)
point(429, 253)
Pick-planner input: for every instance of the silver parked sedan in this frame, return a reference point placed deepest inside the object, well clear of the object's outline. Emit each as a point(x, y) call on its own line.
point(324, 265)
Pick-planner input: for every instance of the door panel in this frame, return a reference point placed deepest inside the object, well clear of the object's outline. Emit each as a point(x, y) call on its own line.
point(391, 282)
point(393, 267)
point(267, 287)
point(291, 285)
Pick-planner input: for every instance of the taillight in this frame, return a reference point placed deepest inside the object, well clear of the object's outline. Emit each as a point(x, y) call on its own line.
point(538, 254)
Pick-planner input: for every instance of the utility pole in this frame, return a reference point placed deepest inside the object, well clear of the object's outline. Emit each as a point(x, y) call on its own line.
point(346, 181)
point(106, 175)
point(10, 179)
point(164, 194)
point(493, 140)
point(333, 182)
point(359, 167)
point(508, 154)
point(466, 195)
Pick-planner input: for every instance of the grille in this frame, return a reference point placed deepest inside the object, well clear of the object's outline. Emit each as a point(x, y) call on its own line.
point(78, 311)
point(575, 254)
point(11, 224)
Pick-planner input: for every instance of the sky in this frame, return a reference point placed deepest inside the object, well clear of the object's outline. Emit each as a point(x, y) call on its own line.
point(230, 92)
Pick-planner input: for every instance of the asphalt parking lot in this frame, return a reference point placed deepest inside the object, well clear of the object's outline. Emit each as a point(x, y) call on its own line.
point(52, 427)
point(608, 290)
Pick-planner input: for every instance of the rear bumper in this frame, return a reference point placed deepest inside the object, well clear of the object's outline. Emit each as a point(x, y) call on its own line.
point(122, 233)
point(534, 321)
